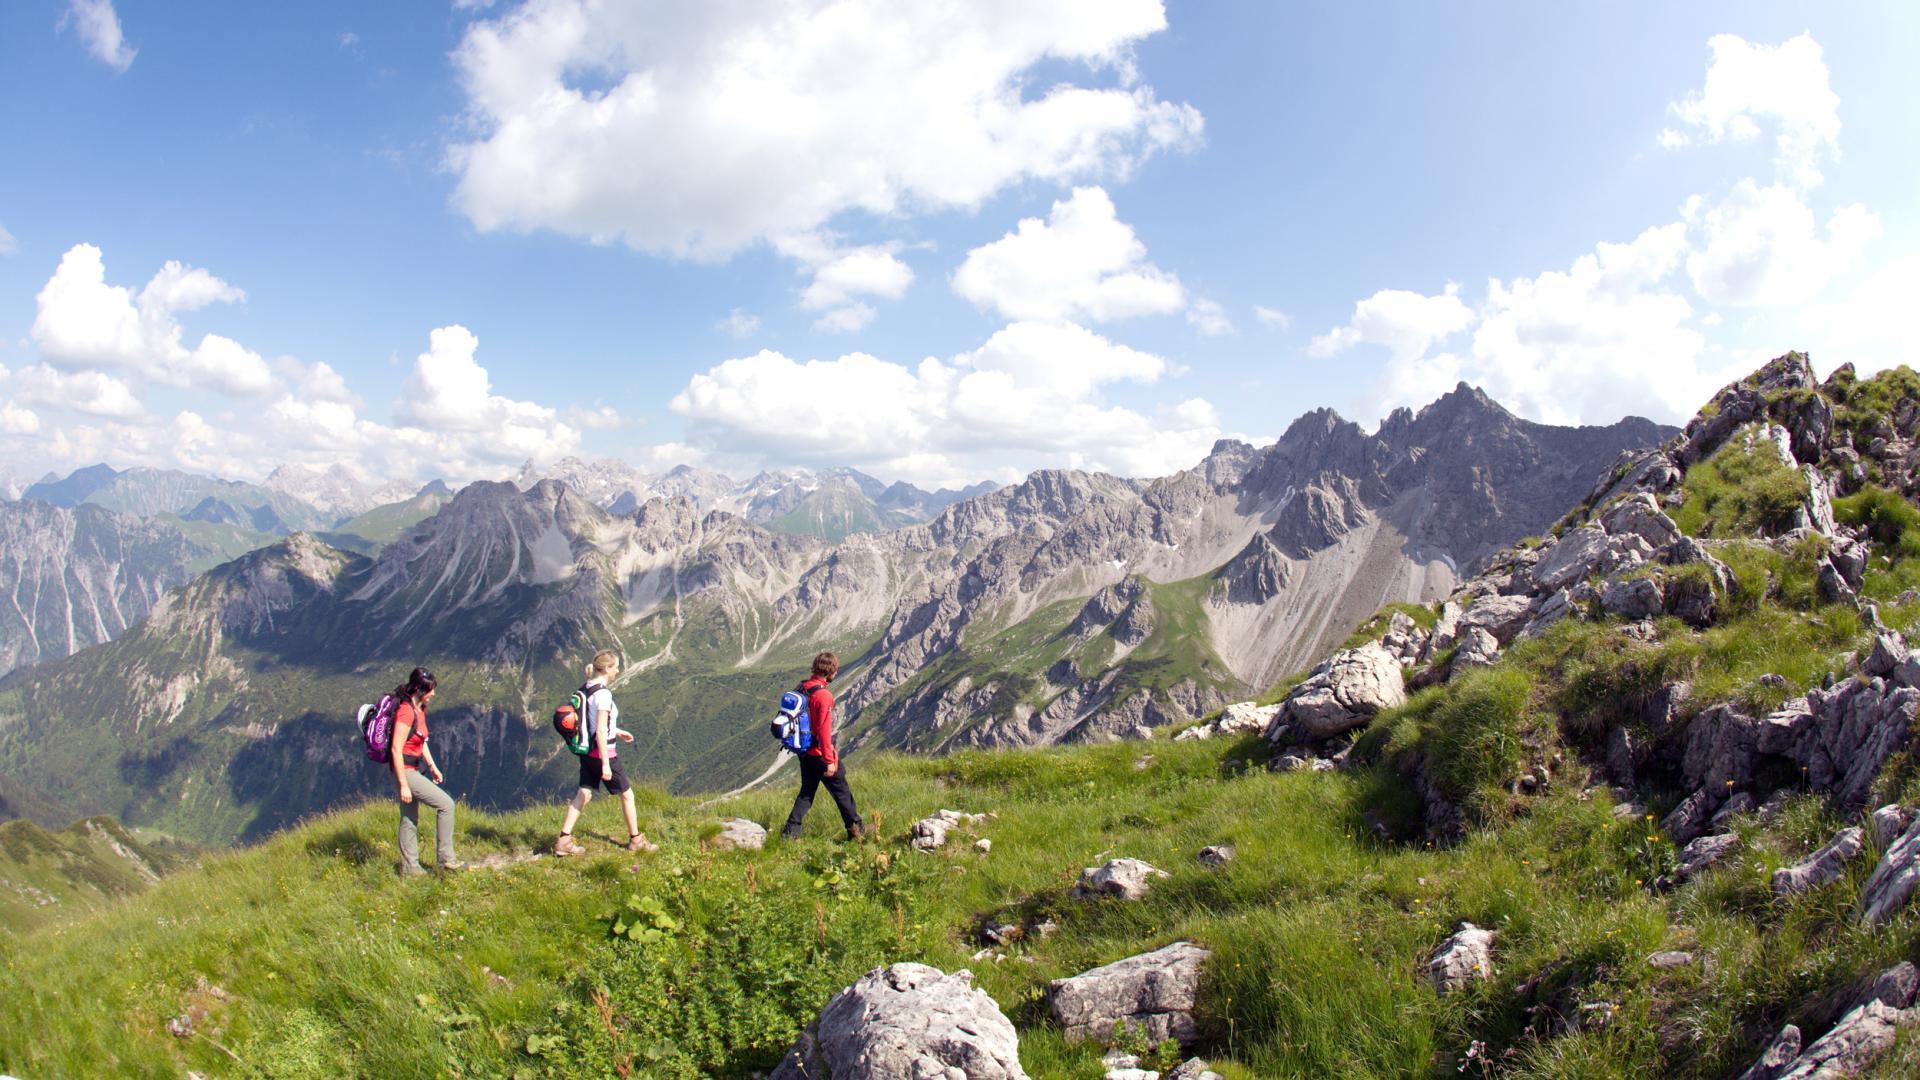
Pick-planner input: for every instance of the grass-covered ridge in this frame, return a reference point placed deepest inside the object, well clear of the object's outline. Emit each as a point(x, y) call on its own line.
point(332, 966)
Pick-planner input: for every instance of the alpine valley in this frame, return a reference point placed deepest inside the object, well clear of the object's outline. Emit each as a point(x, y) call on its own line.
point(1070, 607)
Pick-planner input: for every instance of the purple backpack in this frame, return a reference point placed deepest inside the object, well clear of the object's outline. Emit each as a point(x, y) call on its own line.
point(376, 728)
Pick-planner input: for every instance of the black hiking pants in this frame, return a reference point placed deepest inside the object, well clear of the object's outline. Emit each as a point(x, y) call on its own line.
point(813, 773)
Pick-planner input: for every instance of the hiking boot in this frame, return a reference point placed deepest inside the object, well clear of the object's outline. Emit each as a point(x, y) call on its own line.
point(413, 871)
point(566, 845)
point(639, 842)
point(455, 866)
point(856, 832)
point(789, 835)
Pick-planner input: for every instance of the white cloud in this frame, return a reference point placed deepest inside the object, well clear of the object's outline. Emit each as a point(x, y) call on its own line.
point(1030, 395)
point(82, 323)
point(1785, 84)
point(847, 319)
point(1209, 318)
point(450, 396)
point(598, 418)
point(1871, 327)
point(1590, 344)
point(315, 382)
point(93, 393)
point(739, 323)
point(842, 275)
point(1273, 317)
point(8, 245)
point(1081, 263)
point(16, 420)
point(697, 130)
point(1407, 323)
point(1760, 245)
point(99, 28)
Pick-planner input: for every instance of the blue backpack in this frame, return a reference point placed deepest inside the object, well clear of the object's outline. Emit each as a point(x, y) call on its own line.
point(793, 724)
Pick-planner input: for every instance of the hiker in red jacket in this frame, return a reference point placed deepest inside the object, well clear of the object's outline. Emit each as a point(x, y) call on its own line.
point(821, 763)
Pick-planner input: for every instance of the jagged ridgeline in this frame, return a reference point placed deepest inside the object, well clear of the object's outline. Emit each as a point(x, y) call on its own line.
point(1070, 607)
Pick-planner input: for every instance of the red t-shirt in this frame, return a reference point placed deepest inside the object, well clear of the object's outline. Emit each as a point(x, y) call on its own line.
point(416, 737)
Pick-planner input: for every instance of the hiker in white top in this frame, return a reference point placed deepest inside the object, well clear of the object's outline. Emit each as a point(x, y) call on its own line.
point(600, 767)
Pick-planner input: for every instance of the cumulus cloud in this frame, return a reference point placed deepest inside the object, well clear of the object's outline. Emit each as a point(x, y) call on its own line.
point(1080, 263)
point(598, 418)
point(1604, 338)
point(1406, 323)
point(1786, 85)
point(842, 275)
point(1273, 317)
point(697, 130)
point(448, 393)
point(82, 323)
point(1030, 395)
point(1872, 326)
point(99, 28)
point(93, 393)
point(17, 420)
point(1761, 245)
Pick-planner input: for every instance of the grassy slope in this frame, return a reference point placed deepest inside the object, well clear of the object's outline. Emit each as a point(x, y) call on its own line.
point(48, 877)
point(1015, 656)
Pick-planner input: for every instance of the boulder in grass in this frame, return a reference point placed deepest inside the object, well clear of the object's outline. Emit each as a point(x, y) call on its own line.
point(907, 1020)
point(1127, 879)
point(1343, 693)
point(1153, 993)
point(740, 834)
point(1822, 867)
point(1462, 960)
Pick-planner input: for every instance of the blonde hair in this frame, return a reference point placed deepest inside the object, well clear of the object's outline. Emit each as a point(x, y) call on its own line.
point(605, 662)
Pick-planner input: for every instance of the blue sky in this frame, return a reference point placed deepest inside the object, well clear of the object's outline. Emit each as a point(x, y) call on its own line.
point(746, 234)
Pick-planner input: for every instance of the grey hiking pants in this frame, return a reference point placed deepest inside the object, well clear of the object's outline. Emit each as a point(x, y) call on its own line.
point(425, 791)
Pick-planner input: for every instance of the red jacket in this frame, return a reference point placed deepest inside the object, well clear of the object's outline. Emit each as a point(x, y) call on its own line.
point(820, 710)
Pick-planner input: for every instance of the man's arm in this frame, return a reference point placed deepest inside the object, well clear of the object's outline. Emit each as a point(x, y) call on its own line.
point(823, 729)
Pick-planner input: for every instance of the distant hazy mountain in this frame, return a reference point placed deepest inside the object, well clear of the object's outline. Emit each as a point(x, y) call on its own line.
point(1070, 606)
point(79, 576)
point(146, 492)
point(828, 503)
point(336, 490)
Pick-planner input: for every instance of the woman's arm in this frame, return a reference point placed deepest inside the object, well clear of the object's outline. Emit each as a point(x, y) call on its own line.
point(600, 734)
point(426, 756)
point(397, 755)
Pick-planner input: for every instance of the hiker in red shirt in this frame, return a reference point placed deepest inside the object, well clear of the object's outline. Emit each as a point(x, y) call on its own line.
point(821, 763)
point(409, 754)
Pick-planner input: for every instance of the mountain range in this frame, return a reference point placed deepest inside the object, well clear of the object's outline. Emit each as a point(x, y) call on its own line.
point(1072, 606)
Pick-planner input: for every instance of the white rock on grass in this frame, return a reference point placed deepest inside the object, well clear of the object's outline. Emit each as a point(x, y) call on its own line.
point(1501, 616)
point(1128, 879)
point(931, 831)
point(740, 834)
point(907, 1020)
point(1216, 855)
point(1193, 1069)
point(1243, 716)
point(1346, 691)
point(1894, 879)
point(1822, 867)
point(1478, 648)
point(1888, 823)
point(1152, 993)
point(1462, 960)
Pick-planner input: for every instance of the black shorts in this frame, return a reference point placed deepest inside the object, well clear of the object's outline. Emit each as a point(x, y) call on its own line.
point(590, 776)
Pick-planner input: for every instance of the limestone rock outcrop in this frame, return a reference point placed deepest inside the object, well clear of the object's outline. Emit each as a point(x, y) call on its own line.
point(907, 1022)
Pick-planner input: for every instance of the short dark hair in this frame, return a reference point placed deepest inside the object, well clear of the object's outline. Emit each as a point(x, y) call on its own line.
point(826, 666)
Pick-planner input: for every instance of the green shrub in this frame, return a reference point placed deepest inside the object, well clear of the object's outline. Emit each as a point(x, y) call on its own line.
point(1890, 520)
point(1474, 732)
point(1741, 491)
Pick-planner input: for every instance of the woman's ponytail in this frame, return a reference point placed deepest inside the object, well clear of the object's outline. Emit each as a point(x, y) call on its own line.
point(419, 684)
